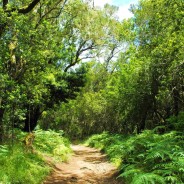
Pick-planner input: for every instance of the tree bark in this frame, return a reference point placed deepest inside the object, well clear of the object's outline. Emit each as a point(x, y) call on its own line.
point(29, 7)
point(1, 124)
point(32, 117)
point(176, 97)
point(25, 10)
point(5, 2)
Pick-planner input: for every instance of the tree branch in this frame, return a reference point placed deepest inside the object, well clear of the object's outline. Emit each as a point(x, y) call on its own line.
point(24, 10)
point(5, 2)
point(80, 50)
point(29, 7)
point(55, 7)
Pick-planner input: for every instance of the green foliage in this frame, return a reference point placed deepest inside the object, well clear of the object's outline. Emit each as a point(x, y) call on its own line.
point(147, 178)
point(145, 158)
point(52, 143)
point(137, 86)
point(177, 122)
point(38, 49)
point(141, 86)
point(21, 165)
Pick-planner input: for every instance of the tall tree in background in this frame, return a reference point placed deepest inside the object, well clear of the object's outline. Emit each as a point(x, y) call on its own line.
point(143, 86)
point(159, 36)
point(40, 43)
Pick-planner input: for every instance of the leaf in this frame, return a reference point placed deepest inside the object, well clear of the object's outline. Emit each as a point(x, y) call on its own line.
point(148, 178)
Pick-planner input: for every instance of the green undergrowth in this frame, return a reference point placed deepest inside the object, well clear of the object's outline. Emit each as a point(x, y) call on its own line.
point(146, 158)
point(19, 165)
point(53, 144)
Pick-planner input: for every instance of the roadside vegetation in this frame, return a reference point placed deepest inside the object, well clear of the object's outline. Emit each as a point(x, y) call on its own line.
point(148, 157)
point(26, 163)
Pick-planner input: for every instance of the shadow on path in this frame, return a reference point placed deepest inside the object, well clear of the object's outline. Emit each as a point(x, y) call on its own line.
point(86, 166)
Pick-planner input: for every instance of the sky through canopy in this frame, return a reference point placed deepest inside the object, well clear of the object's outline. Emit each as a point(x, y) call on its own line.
point(123, 5)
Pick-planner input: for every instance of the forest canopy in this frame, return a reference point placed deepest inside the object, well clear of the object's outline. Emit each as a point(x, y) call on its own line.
point(69, 65)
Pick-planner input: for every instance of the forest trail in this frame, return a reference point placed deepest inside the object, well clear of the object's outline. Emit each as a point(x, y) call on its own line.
point(86, 166)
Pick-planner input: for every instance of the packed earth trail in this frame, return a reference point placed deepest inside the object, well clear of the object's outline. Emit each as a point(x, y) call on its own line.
point(86, 166)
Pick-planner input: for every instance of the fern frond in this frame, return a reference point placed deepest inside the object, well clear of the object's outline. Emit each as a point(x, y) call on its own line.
point(147, 157)
point(162, 172)
point(4, 150)
point(130, 173)
point(172, 179)
point(148, 178)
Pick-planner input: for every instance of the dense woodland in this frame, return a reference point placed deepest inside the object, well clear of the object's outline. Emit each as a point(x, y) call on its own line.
point(68, 65)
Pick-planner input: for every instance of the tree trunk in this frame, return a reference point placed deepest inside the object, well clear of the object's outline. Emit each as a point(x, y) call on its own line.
point(31, 120)
point(142, 124)
point(176, 97)
point(1, 124)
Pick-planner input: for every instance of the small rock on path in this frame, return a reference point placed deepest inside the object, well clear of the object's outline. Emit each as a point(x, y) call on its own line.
point(86, 166)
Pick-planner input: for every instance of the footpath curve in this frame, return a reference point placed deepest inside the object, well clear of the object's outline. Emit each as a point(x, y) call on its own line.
point(86, 166)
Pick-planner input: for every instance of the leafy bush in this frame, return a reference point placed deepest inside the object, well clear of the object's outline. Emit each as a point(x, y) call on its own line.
point(18, 165)
point(145, 158)
point(51, 142)
point(104, 141)
point(177, 122)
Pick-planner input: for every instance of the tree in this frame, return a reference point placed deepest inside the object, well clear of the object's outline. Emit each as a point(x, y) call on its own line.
point(29, 54)
point(143, 85)
point(37, 58)
point(156, 24)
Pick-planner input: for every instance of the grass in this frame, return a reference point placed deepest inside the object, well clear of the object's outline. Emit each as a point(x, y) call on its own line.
point(19, 165)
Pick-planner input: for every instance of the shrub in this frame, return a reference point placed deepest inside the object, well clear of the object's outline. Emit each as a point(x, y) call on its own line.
point(52, 143)
point(145, 158)
point(18, 165)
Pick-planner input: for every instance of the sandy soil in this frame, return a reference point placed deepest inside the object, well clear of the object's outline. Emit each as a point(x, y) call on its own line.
point(86, 166)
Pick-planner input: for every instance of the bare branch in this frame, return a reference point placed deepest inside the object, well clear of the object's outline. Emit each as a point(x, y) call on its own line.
point(80, 50)
point(55, 7)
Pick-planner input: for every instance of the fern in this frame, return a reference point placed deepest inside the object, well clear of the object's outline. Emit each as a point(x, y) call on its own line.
point(173, 180)
point(52, 143)
point(4, 150)
point(145, 158)
point(130, 172)
point(148, 178)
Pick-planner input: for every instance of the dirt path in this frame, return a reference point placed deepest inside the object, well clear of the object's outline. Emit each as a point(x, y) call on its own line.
point(86, 166)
